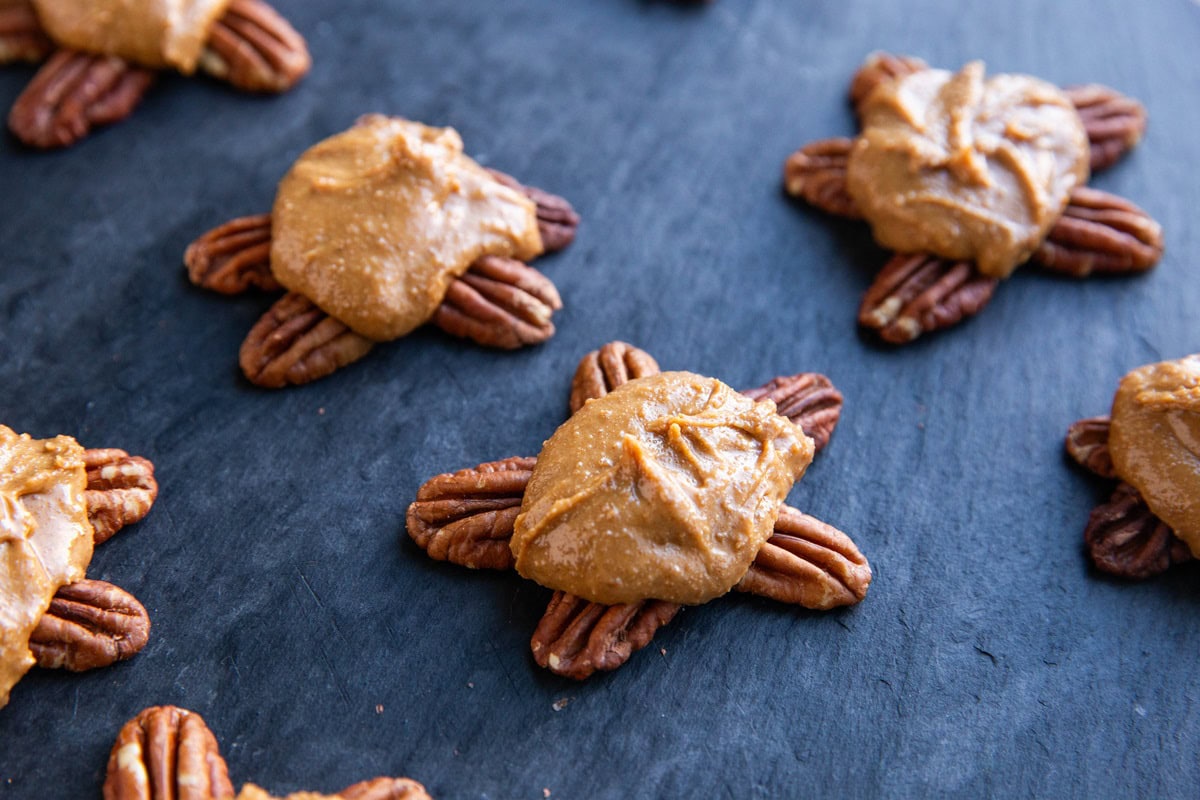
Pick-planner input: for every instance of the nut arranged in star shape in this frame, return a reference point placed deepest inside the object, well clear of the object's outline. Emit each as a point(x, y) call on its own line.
point(467, 518)
point(917, 293)
point(250, 46)
point(169, 752)
point(499, 302)
point(90, 623)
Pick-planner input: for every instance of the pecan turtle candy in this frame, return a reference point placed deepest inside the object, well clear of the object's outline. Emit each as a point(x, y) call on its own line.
point(57, 501)
point(169, 753)
point(1151, 445)
point(376, 231)
point(967, 179)
point(663, 489)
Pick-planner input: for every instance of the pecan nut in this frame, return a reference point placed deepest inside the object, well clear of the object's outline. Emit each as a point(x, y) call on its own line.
point(295, 342)
point(89, 624)
point(499, 303)
point(916, 294)
point(557, 220)
point(385, 789)
point(21, 35)
point(1114, 122)
point(1087, 443)
point(809, 399)
point(1100, 232)
point(576, 638)
point(1124, 538)
point(166, 752)
point(73, 93)
point(233, 257)
point(255, 49)
point(601, 371)
point(816, 173)
point(467, 517)
point(808, 563)
point(878, 68)
point(120, 490)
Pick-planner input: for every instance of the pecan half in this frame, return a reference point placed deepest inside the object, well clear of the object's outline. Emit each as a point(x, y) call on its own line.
point(166, 753)
point(880, 67)
point(385, 789)
point(1114, 122)
point(816, 173)
point(916, 294)
point(1087, 443)
point(601, 371)
point(808, 563)
point(1124, 538)
point(809, 399)
point(89, 624)
point(557, 220)
point(255, 49)
point(233, 257)
point(499, 303)
point(575, 638)
point(120, 490)
point(467, 517)
point(73, 93)
point(21, 35)
point(1100, 232)
point(295, 342)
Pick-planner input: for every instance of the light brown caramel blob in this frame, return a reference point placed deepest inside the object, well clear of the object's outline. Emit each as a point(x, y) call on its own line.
point(45, 538)
point(1155, 441)
point(966, 168)
point(373, 224)
point(152, 33)
point(665, 488)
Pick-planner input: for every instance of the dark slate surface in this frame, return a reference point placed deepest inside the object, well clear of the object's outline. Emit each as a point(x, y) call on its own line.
point(290, 609)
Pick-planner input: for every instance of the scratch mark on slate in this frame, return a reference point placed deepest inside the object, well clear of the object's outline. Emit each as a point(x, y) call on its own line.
point(981, 651)
point(320, 647)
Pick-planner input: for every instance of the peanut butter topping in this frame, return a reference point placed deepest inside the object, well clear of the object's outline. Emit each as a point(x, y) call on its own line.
point(153, 33)
point(967, 168)
point(665, 488)
point(45, 538)
point(1154, 440)
point(373, 224)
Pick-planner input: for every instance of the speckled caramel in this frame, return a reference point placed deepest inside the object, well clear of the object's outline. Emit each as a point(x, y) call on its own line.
point(374, 223)
point(966, 168)
point(45, 538)
point(1154, 440)
point(158, 34)
point(665, 488)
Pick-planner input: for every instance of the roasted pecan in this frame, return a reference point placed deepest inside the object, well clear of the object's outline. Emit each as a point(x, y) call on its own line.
point(252, 47)
point(1124, 538)
point(466, 517)
point(21, 35)
point(499, 303)
point(1114, 123)
point(557, 220)
point(233, 257)
point(816, 173)
point(295, 342)
point(575, 638)
point(74, 92)
point(808, 563)
point(601, 371)
point(166, 753)
point(385, 789)
point(1100, 232)
point(89, 624)
point(880, 67)
point(916, 294)
point(120, 490)
point(1087, 443)
point(809, 399)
